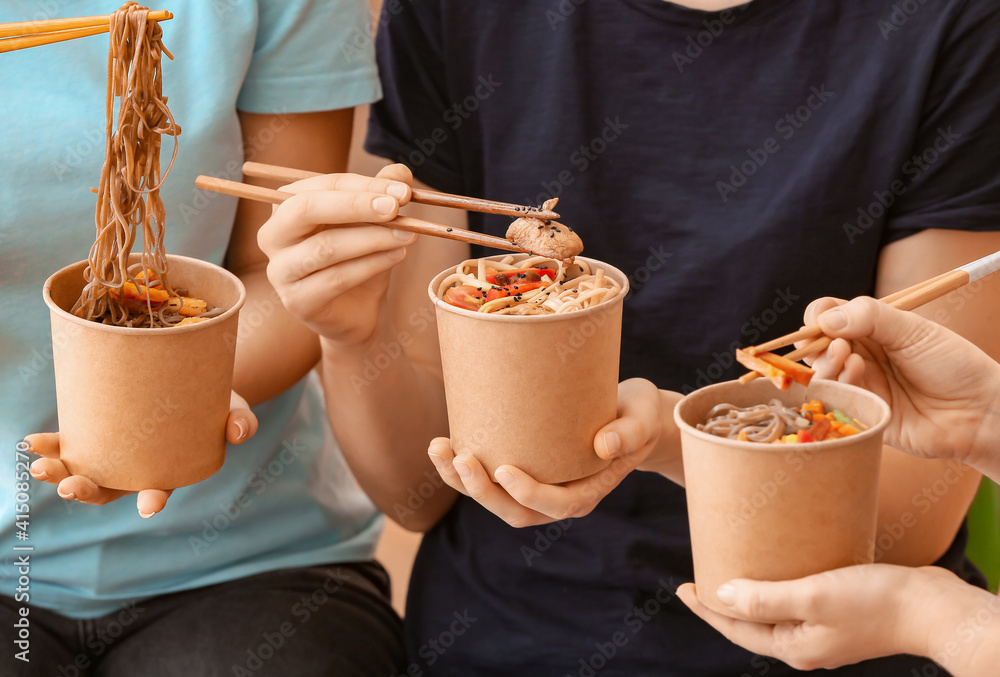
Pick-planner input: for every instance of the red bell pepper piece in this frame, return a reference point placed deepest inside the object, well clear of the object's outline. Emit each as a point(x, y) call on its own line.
point(515, 276)
point(464, 296)
point(511, 290)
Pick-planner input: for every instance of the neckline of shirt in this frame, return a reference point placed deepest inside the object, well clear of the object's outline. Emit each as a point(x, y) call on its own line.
point(679, 14)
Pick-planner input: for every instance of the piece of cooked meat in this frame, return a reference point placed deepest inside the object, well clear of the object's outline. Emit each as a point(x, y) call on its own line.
point(551, 238)
point(525, 309)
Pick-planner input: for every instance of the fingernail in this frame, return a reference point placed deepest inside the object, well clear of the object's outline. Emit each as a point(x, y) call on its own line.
point(24, 446)
point(834, 319)
point(242, 427)
point(69, 497)
point(435, 458)
point(383, 205)
point(613, 443)
point(398, 191)
point(396, 254)
point(146, 515)
point(402, 234)
point(464, 471)
point(505, 478)
point(726, 594)
point(40, 475)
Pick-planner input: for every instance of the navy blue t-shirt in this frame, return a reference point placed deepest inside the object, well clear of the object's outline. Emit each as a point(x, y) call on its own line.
point(736, 165)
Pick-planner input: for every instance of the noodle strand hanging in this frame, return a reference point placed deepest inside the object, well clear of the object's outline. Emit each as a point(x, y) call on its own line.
point(128, 195)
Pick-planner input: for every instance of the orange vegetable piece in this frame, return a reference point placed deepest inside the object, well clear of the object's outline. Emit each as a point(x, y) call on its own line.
point(796, 371)
point(753, 362)
point(815, 406)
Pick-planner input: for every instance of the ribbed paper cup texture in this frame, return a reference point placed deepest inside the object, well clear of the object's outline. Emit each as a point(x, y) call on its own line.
point(778, 512)
point(145, 408)
point(531, 391)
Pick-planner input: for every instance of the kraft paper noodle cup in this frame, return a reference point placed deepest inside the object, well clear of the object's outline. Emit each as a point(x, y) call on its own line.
point(531, 391)
point(145, 408)
point(779, 511)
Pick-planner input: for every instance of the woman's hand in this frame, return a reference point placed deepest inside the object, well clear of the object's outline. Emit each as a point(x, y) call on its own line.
point(521, 501)
point(852, 614)
point(241, 426)
point(943, 390)
point(328, 264)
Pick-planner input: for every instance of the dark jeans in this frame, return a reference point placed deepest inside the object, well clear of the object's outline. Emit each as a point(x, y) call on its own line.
point(327, 621)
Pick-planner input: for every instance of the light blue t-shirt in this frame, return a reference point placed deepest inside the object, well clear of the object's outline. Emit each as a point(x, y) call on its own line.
point(285, 498)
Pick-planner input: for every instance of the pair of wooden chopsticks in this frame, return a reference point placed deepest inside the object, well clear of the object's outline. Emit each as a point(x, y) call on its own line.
point(407, 223)
point(905, 299)
point(24, 34)
point(427, 197)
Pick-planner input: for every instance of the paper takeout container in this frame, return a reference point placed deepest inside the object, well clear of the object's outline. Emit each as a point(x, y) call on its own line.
point(145, 408)
point(779, 511)
point(531, 391)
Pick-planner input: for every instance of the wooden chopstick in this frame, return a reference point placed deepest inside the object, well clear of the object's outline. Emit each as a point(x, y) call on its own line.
point(814, 331)
point(24, 34)
point(904, 299)
point(428, 197)
point(407, 223)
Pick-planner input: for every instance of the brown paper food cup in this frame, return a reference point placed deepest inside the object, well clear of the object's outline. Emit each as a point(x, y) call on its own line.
point(777, 512)
point(144, 408)
point(531, 391)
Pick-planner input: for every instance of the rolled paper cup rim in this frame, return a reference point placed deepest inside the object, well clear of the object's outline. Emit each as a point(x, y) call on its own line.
point(875, 428)
point(100, 326)
point(549, 317)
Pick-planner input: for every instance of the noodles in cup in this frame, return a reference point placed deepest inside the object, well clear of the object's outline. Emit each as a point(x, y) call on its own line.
point(531, 286)
point(128, 195)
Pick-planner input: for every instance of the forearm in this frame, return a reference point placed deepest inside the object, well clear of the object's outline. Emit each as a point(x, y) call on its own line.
point(959, 629)
point(273, 349)
point(386, 410)
point(922, 504)
point(985, 456)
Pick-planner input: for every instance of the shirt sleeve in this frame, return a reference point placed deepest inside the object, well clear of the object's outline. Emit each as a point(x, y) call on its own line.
point(408, 124)
point(310, 55)
point(952, 179)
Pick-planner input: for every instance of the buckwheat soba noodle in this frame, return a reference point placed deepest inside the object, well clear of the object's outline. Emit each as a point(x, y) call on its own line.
point(775, 422)
point(128, 195)
point(760, 423)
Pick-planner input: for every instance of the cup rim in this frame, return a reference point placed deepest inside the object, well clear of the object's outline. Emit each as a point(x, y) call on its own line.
point(618, 275)
point(155, 331)
point(876, 428)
